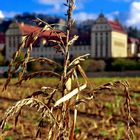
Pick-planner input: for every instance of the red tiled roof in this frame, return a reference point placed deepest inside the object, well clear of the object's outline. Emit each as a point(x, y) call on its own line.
point(133, 40)
point(116, 26)
point(26, 29)
point(48, 35)
point(2, 38)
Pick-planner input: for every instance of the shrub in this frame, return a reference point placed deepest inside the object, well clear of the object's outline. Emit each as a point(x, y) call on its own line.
point(88, 65)
point(91, 65)
point(36, 66)
point(100, 65)
point(1, 59)
point(125, 64)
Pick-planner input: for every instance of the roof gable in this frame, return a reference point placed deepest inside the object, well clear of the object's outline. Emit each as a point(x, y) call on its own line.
point(116, 26)
point(101, 19)
point(133, 40)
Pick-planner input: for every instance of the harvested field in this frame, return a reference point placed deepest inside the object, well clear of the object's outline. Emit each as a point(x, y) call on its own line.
point(104, 118)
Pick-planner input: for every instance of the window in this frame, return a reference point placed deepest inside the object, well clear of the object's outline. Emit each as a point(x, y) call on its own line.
point(96, 45)
point(106, 44)
point(84, 47)
point(42, 49)
point(9, 37)
point(18, 40)
point(101, 45)
point(101, 27)
point(14, 42)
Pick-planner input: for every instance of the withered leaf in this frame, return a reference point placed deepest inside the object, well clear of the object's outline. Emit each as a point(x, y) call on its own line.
point(70, 95)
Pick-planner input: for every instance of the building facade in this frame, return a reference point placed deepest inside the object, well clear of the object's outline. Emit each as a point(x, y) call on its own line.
point(16, 33)
point(133, 47)
point(107, 39)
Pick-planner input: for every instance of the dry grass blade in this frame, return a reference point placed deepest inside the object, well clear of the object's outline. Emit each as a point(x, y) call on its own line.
point(37, 93)
point(68, 79)
point(40, 21)
point(10, 70)
point(47, 25)
point(70, 95)
point(26, 59)
point(39, 73)
point(44, 59)
point(75, 109)
point(7, 82)
point(38, 133)
point(17, 116)
point(73, 40)
point(72, 131)
point(78, 59)
point(83, 73)
point(127, 104)
point(58, 45)
point(69, 84)
point(59, 40)
point(31, 102)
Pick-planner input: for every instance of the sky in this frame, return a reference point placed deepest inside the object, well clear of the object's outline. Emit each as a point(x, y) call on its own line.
point(127, 11)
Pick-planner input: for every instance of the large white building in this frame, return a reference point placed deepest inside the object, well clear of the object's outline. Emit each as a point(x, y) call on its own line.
point(15, 34)
point(107, 39)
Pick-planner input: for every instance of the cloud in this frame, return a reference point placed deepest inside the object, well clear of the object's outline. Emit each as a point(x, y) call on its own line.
point(134, 15)
point(113, 15)
point(51, 2)
point(1, 15)
point(10, 14)
point(57, 4)
point(82, 16)
point(122, 0)
point(6, 14)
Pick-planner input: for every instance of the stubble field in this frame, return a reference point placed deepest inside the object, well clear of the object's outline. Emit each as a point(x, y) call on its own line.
point(103, 118)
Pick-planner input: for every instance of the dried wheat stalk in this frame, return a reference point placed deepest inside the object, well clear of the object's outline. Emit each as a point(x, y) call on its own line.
point(57, 110)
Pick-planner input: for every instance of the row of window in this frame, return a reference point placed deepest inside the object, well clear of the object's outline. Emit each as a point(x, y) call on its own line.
point(42, 49)
point(48, 56)
point(81, 43)
point(13, 41)
point(100, 43)
point(101, 27)
point(77, 48)
point(101, 34)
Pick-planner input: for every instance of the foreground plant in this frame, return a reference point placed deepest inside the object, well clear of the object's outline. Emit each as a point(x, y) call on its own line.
point(59, 100)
